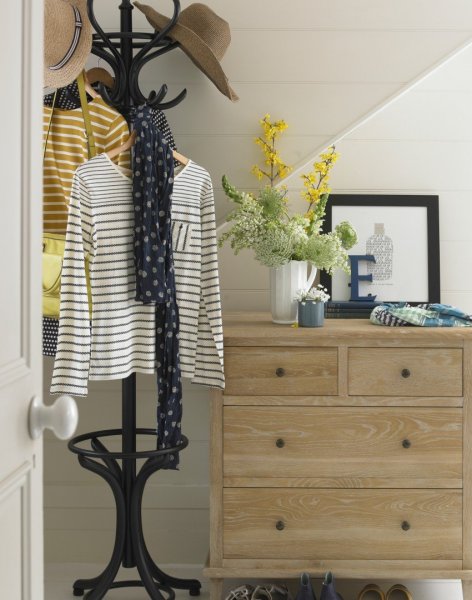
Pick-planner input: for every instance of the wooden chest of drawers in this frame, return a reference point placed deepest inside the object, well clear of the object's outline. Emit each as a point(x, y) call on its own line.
point(344, 448)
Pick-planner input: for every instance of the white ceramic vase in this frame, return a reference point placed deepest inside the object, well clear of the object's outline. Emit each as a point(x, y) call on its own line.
point(285, 281)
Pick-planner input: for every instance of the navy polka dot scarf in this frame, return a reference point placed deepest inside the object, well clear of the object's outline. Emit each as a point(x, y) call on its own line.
point(153, 178)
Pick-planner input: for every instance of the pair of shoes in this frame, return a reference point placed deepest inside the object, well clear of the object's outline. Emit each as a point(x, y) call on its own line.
point(261, 592)
point(327, 589)
point(373, 592)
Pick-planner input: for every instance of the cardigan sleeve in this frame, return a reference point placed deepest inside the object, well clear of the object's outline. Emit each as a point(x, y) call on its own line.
point(209, 362)
point(71, 366)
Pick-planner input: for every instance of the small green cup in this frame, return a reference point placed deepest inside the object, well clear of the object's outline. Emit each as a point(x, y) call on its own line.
point(310, 314)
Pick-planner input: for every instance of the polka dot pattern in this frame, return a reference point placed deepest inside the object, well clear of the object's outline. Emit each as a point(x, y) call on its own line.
point(50, 331)
point(68, 98)
point(153, 178)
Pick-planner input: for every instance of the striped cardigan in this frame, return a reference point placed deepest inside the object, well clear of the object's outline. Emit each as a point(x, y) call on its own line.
point(121, 337)
point(196, 277)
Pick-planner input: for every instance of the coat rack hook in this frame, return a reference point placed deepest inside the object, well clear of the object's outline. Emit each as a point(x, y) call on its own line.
point(126, 69)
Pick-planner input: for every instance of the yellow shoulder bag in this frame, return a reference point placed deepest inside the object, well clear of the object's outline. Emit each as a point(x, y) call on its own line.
point(54, 243)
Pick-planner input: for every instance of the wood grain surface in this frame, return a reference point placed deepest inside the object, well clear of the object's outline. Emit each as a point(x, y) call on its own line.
point(343, 442)
point(342, 524)
point(343, 400)
point(294, 371)
point(364, 470)
point(257, 329)
point(432, 371)
point(467, 466)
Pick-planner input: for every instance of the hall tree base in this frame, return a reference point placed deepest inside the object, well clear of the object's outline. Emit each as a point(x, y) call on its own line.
point(127, 484)
point(345, 448)
point(119, 469)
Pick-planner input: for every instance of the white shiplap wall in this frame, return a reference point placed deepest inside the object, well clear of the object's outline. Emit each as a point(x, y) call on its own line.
point(321, 66)
point(423, 144)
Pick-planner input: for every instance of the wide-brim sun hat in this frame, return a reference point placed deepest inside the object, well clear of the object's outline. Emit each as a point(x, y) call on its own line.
point(67, 40)
point(202, 35)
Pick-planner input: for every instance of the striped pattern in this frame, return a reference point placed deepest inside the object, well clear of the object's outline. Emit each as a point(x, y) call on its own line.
point(68, 98)
point(196, 277)
point(74, 44)
point(66, 150)
point(121, 338)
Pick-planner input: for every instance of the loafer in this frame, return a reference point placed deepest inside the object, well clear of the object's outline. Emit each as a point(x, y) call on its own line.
point(371, 592)
point(306, 589)
point(398, 592)
point(327, 588)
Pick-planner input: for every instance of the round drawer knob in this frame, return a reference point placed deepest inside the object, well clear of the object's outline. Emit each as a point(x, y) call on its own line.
point(406, 373)
point(280, 443)
point(280, 525)
point(405, 526)
point(280, 372)
point(406, 444)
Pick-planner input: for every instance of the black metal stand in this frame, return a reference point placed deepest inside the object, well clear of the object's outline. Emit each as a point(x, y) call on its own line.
point(130, 547)
point(127, 485)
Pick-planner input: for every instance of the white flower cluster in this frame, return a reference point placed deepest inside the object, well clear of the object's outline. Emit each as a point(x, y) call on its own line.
point(316, 294)
point(248, 224)
point(274, 249)
point(297, 228)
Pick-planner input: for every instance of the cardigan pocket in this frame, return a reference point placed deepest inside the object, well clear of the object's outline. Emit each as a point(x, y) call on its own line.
point(181, 236)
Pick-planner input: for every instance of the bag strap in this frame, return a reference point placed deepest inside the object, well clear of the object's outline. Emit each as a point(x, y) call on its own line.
point(91, 149)
point(88, 124)
point(49, 124)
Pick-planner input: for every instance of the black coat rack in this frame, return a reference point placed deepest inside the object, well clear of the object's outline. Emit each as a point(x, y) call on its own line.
point(127, 483)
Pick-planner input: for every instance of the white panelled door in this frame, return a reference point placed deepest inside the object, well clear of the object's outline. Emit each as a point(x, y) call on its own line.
point(21, 72)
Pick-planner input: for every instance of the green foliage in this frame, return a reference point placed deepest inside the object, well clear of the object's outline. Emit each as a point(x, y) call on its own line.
point(273, 203)
point(327, 252)
point(230, 190)
point(263, 224)
point(275, 248)
point(347, 234)
point(248, 224)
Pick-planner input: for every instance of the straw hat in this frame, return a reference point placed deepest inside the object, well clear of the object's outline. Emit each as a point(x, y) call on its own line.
point(202, 35)
point(67, 40)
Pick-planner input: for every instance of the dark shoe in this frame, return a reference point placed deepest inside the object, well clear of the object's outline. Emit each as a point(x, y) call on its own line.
point(327, 589)
point(306, 590)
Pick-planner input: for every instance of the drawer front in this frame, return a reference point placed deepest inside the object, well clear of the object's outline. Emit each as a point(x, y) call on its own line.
point(405, 372)
point(330, 442)
point(281, 371)
point(342, 524)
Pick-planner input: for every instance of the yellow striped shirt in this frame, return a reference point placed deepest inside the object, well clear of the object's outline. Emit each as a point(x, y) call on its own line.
point(67, 149)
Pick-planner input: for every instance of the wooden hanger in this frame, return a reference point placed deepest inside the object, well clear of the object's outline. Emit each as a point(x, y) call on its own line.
point(124, 147)
point(180, 157)
point(88, 88)
point(130, 143)
point(100, 75)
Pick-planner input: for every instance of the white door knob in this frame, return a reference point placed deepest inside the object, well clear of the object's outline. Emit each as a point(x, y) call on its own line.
point(62, 417)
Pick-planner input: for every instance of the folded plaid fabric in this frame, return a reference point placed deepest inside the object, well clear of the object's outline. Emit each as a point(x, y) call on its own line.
point(402, 314)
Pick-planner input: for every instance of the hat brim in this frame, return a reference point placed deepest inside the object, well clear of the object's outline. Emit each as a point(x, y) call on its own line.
point(71, 70)
point(194, 47)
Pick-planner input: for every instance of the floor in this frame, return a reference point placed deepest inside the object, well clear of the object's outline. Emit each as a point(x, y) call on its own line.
point(59, 578)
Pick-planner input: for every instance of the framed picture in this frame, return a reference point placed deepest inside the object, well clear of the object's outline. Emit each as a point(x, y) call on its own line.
point(401, 233)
